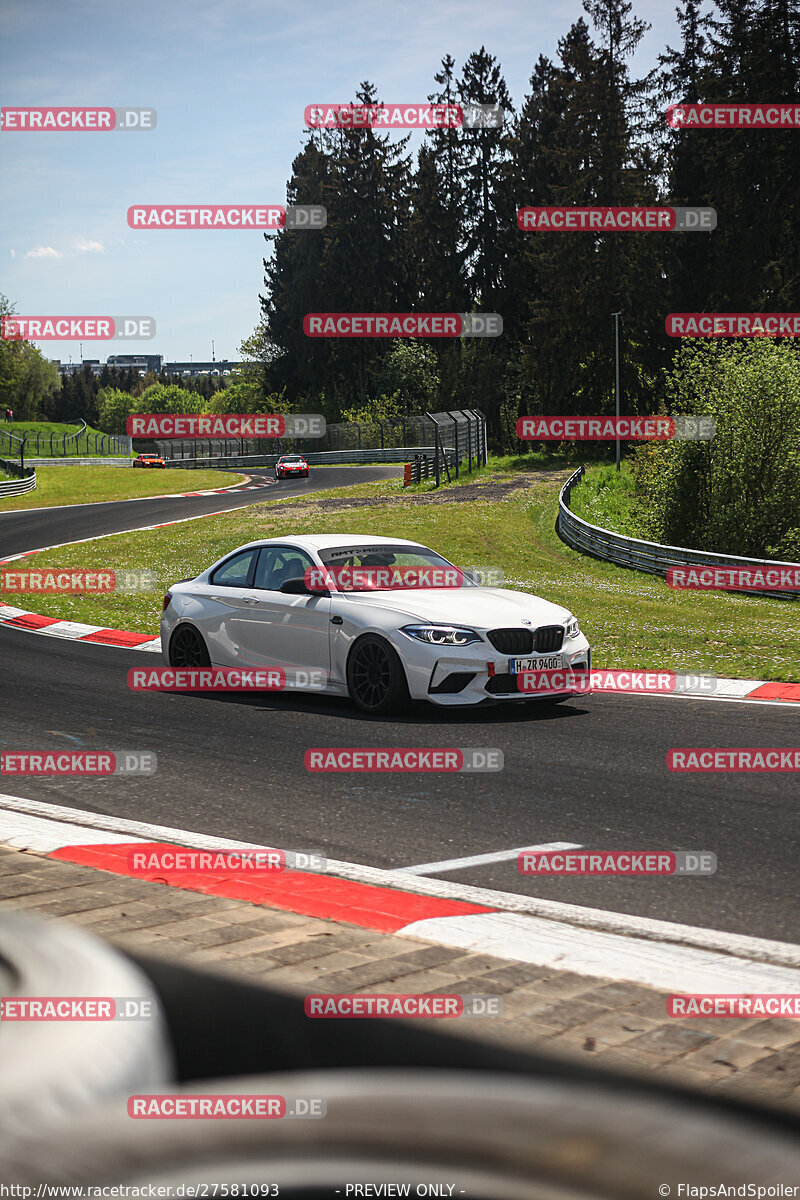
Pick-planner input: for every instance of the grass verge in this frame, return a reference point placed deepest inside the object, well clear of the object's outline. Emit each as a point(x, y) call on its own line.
point(88, 485)
point(504, 518)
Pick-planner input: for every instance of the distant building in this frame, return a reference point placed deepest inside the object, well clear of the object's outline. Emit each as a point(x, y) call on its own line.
point(75, 368)
point(150, 362)
point(139, 362)
point(220, 367)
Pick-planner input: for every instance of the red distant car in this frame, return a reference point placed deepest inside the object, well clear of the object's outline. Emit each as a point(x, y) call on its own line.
point(289, 465)
point(149, 460)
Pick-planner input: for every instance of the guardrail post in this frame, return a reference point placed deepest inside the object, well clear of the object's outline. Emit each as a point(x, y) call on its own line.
point(435, 444)
point(455, 430)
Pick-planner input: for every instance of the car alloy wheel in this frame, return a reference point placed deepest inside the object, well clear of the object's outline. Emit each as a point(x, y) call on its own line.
point(187, 649)
point(375, 677)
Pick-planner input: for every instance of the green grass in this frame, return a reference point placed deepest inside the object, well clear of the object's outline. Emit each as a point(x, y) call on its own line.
point(87, 485)
point(632, 620)
point(607, 498)
point(77, 447)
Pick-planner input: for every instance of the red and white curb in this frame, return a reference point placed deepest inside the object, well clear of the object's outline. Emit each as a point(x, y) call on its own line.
point(19, 618)
point(757, 691)
point(506, 925)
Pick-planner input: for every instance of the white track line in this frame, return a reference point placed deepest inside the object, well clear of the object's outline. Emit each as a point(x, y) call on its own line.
point(478, 860)
point(562, 919)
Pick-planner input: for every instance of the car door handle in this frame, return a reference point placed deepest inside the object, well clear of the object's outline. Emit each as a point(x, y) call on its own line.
point(250, 600)
point(337, 621)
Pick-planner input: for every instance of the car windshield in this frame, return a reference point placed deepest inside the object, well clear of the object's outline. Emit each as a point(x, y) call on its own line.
point(292, 460)
point(375, 567)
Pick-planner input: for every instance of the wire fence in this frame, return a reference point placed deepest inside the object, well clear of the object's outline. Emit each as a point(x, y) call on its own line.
point(444, 440)
point(84, 442)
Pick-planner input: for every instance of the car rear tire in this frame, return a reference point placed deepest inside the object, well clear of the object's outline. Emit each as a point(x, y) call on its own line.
point(187, 649)
point(376, 681)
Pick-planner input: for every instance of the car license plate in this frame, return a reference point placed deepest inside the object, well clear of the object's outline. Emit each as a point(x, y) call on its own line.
point(517, 665)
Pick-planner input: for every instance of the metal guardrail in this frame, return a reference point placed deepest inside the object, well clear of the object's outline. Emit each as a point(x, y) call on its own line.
point(18, 487)
point(639, 555)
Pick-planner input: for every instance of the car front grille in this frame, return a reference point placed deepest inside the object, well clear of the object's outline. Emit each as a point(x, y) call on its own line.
point(511, 641)
point(549, 638)
point(525, 641)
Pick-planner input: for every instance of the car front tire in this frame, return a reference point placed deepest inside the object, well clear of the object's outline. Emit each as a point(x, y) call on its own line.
point(376, 681)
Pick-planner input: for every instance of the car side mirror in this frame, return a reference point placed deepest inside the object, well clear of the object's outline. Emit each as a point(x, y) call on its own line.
point(299, 587)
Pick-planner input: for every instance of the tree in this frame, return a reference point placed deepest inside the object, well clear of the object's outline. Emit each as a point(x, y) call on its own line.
point(29, 383)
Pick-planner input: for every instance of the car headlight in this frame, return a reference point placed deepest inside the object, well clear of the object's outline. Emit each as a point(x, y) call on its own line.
point(572, 627)
point(441, 635)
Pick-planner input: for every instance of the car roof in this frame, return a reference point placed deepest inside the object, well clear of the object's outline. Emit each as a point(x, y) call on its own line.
point(329, 541)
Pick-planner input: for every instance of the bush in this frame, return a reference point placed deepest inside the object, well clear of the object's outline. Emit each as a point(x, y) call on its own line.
point(740, 492)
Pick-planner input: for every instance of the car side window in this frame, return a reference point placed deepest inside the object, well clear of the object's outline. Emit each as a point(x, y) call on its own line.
point(276, 564)
point(236, 571)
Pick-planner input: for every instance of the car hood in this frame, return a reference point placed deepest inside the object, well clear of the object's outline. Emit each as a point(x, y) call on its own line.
point(482, 608)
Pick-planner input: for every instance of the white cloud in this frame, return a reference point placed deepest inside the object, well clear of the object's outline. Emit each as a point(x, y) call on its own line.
point(13, 253)
point(43, 252)
point(84, 246)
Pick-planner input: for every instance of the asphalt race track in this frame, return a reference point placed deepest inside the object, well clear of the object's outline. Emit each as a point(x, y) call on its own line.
point(30, 529)
point(590, 772)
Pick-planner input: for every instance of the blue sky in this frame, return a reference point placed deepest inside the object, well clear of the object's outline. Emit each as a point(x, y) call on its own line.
point(230, 80)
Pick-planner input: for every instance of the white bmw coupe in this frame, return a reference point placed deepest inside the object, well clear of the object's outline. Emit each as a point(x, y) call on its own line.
point(378, 619)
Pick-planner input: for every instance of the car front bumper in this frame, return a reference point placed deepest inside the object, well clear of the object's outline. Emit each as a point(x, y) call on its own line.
point(476, 674)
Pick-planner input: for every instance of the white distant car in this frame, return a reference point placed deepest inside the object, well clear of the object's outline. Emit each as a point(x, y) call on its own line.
point(289, 602)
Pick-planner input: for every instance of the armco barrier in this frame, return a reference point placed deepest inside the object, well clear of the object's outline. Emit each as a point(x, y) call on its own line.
point(80, 462)
point(25, 482)
point(645, 556)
